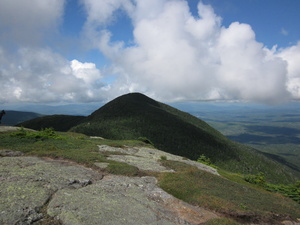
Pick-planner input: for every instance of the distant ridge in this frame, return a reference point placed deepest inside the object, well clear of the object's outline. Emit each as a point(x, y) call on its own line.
point(57, 122)
point(13, 117)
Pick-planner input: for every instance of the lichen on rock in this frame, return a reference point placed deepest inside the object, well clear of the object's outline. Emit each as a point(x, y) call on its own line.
point(27, 184)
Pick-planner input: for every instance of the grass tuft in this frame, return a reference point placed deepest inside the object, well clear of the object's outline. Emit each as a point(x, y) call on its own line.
point(122, 169)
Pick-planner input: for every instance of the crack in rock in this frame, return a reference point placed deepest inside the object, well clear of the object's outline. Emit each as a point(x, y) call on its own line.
point(34, 190)
point(29, 216)
point(29, 183)
point(79, 183)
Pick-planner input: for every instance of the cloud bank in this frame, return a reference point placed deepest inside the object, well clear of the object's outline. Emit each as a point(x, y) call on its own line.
point(27, 23)
point(178, 56)
point(31, 72)
point(40, 75)
point(174, 55)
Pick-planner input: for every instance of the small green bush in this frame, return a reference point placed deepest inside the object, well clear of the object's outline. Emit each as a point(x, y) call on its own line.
point(256, 179)
point(243, 206)
point(205, 160)
point(163, 157)
point(145, 140)
point(20, 133)
point(292, 190)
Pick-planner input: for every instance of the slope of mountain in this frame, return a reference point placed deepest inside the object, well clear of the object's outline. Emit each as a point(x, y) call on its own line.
point(57, 122)
point(135, 115)
point(14, 117)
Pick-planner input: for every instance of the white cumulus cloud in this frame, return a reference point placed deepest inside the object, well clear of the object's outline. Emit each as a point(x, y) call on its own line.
point(40, 75)
point(28, 22)
point(247, 70)
point(32, 72)
point(177, 55)
point(85, 71)
point(173, 55)
point(102, 12)
point(292, 56)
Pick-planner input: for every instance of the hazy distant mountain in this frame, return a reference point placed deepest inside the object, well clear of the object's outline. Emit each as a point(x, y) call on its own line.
point(82, 109)
point(12, 118)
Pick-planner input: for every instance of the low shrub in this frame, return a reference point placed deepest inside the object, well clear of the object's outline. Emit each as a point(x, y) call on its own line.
point(205, 160)
point(47, 133)
point(145, 140)
point(292, 190)
point(163, 157)
point(256, 179)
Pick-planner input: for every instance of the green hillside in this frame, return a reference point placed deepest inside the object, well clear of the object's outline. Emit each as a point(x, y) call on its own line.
point(135, 115)
point(57, 122)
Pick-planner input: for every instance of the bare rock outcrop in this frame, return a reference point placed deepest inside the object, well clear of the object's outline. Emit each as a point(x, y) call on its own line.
point(149, 158)
point(123, 200)
point(28, 183)
point(32, 189)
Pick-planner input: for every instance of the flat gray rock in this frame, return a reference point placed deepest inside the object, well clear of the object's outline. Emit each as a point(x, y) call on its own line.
point(10, 153)
point(4, 129)
point(32, 189)
point(149, 158)
point(123, 200)
point(28, 183)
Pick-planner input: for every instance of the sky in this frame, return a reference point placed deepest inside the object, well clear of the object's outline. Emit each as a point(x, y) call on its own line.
point(89, 51)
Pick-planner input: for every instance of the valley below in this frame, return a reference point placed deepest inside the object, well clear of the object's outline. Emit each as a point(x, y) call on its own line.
point(273, 130)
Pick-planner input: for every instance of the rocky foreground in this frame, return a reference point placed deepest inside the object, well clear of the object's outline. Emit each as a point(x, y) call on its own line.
point(44, 191)
point(47, 191)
